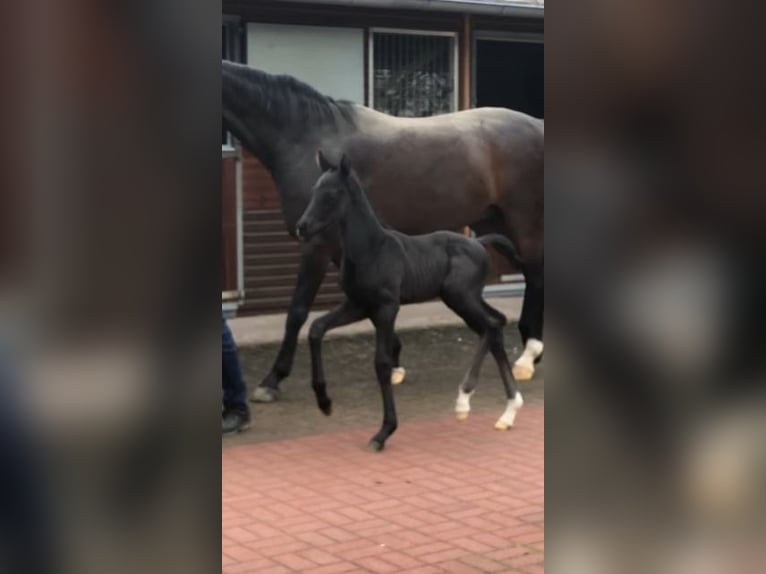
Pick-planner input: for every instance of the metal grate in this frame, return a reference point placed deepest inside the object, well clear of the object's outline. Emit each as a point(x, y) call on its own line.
point(413, 74)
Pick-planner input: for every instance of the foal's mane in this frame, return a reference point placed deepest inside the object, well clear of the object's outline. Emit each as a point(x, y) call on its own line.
point(295, 104)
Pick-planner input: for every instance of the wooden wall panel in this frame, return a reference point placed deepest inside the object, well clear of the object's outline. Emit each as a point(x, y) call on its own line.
point(271, 255)
point(258, 189)
point(229, 224)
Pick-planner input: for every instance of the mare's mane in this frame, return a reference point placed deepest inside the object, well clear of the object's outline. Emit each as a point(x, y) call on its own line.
point(293, 102)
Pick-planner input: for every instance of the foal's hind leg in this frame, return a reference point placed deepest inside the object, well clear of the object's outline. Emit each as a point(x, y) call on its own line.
point(471, 379)
point(479, 316)
point(468, 307)
point(515, 401)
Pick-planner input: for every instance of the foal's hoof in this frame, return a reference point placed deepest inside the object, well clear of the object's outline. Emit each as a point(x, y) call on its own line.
point(326, 407)
point(265, 395)
point(502, 425)
point(462, 416)
point(523, 372)
point(397, 375)
point(376, 445)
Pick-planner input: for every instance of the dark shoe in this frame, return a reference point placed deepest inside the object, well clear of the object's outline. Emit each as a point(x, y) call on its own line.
point(235, 420)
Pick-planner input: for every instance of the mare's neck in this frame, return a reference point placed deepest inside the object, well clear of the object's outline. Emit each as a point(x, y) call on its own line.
point(361, 231)
point(245, 114)
point(276, 122)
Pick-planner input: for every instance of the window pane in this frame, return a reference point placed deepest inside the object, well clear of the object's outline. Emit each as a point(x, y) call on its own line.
point(330, 60)
point(413, 75)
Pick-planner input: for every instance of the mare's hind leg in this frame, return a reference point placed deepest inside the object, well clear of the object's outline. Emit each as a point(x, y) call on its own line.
point(345, 314)
point(397, 372)
point(531, 324)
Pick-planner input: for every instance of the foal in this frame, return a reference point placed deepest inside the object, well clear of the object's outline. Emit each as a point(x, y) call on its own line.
point(382, 268)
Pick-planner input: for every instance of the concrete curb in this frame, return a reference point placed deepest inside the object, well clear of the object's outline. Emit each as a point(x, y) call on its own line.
point(267, 329)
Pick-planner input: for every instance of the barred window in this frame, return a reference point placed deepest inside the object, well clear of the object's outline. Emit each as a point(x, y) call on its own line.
point(413, 73)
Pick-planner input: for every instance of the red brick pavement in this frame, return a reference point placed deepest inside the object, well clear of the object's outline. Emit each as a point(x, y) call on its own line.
point(444, 496)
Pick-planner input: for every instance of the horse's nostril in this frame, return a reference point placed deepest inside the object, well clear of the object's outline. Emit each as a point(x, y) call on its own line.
point(300, 229)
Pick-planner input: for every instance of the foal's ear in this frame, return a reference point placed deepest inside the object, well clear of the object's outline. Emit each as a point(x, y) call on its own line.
point(322, 162)
point(343, 167)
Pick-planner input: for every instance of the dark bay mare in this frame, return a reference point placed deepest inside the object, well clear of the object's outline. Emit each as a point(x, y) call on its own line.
point(381, 268)
point(480, 167)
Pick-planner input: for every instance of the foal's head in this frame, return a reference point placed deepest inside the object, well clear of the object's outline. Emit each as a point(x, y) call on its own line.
point(329, 198)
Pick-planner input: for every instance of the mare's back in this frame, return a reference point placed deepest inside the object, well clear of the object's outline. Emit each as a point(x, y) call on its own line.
point(463, 129)
point(423, 174)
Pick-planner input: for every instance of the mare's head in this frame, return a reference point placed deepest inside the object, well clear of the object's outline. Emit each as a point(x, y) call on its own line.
point(329, 198)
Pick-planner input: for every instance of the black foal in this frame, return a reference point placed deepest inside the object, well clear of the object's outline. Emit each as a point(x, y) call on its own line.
point(382, 268)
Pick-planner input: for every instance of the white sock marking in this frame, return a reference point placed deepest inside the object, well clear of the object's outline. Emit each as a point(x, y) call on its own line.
point(397, 375)
point(533, 349)
point(463, 403)
point(511, 410)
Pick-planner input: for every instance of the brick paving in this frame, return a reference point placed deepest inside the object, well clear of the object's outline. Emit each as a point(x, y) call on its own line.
point(444, 497)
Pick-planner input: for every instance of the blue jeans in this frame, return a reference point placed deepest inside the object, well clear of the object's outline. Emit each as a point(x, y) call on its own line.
point(234, 389)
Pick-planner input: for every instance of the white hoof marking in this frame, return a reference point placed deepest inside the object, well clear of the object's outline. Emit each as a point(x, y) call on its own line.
point(463, 404)
point(397, 375)
point(524, 367)
point(523, 372)
point(511, 410)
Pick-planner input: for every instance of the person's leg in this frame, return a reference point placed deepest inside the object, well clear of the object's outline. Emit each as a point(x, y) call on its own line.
point(236, 414)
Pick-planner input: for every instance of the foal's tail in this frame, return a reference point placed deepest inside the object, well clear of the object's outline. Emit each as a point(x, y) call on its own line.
point(503, 245)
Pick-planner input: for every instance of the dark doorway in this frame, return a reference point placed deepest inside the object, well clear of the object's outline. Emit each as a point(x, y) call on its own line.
point(510, 75)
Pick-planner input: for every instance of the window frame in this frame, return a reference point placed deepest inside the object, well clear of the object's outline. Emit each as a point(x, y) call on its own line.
point(413, 32)
point(235, 24)
point(497, 36)
point(231, 300)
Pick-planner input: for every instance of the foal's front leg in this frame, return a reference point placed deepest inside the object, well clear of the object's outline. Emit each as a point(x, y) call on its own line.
point(345, 314)
point(384, 319)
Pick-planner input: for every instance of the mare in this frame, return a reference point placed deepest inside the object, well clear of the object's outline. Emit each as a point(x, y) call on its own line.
point(381, 268)
point(481, 167)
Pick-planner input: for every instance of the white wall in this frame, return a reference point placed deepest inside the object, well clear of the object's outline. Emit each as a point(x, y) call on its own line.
point(329, 59)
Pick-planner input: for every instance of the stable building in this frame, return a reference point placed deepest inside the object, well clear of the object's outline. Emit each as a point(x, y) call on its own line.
point(403, 57)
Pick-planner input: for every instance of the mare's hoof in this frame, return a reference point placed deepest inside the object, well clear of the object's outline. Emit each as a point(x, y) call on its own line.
point(375, 445)
point(502, 425)
point(462, 416)
point(265, 395)
point(523, 372)
point(397, 375)
point(326, 408)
